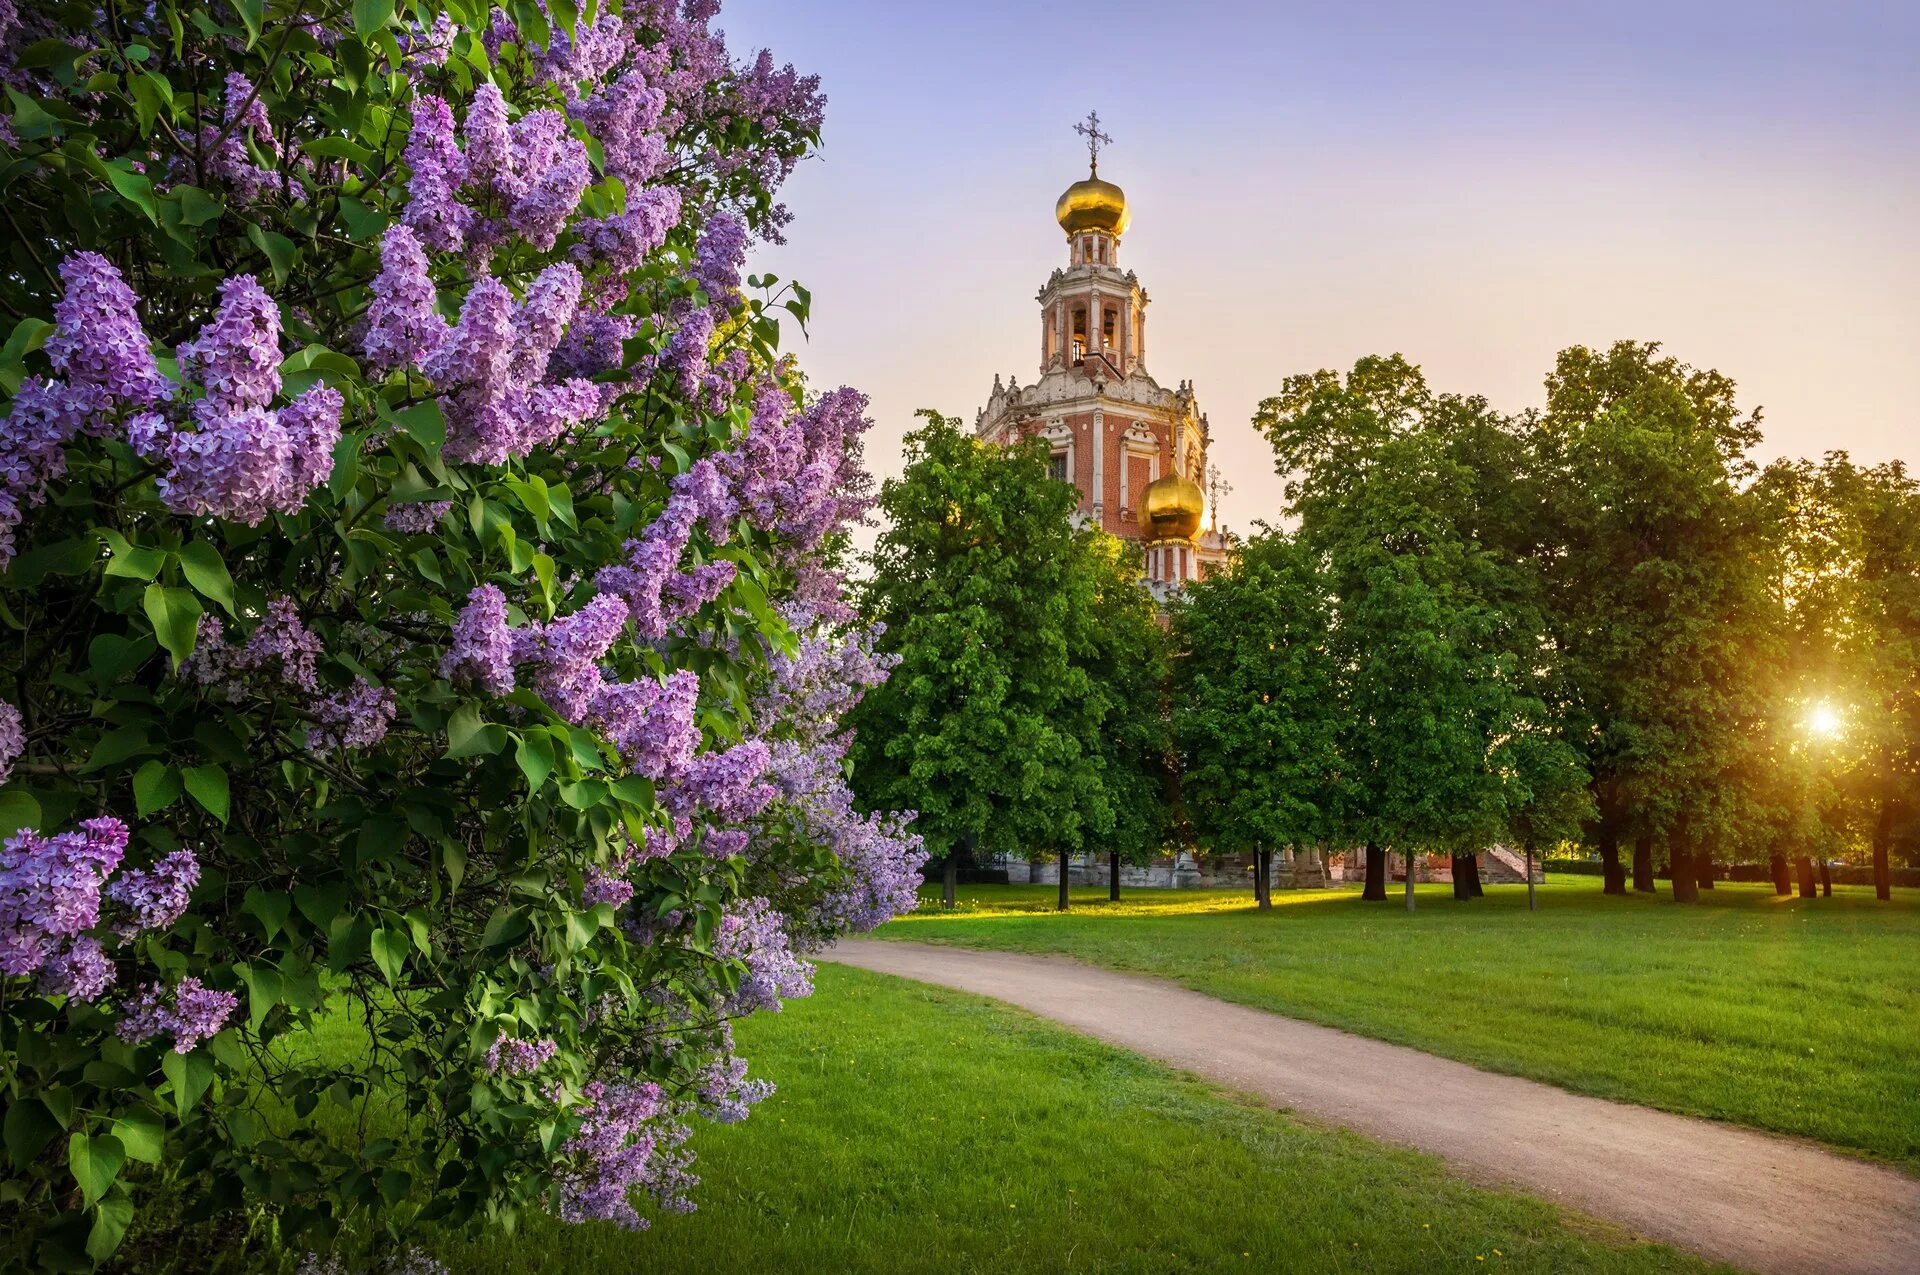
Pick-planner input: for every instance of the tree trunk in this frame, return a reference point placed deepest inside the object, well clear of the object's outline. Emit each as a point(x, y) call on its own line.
point(1782, 876)
point(1474, 888)
point(1643, 865)
point(1826, 878)
point(1616, 876)
point(1882, 842)
point(1462, 885)
point(1703, 869)
point(1376, 873)
point(1263, 878)
point(1113, 876)
point(950, 879)
point(1803, 867)
point(1410, 880)
point(1529, 851)
point(1686, 884)
point(1064, 871)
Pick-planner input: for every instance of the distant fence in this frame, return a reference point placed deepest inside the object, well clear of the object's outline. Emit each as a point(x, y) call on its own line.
point(1843, 873)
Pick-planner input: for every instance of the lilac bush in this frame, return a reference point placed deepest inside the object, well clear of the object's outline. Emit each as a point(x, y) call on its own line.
point(423, 568)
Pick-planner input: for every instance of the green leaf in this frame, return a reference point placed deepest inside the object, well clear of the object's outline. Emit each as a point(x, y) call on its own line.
point(191, 1074)
point(95, 1162)
point(29, 1128)
point(265, 989)
point(271, 908)
point(207, 572)
point(156, 786)
point(197, 207)
point(390, 948)
point(110, 1222)
point(370, 16)
point(130, 561)
point(278, 248)
point(338, 148)
point(135, 189)
point(251, 15)
point(535, 755)
point(152, 97)
point(143, 1136)
point(17, 810)
point(175, 615)
point(468, 736)
point(207, 785)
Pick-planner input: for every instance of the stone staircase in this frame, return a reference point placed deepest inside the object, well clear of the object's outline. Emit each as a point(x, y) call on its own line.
point(1501, 866)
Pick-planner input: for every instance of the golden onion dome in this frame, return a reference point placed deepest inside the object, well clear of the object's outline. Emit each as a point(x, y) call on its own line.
point(1092, 204)
point(1172, 507)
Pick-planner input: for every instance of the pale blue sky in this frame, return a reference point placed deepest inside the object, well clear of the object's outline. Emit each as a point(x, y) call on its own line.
point(1474, 185)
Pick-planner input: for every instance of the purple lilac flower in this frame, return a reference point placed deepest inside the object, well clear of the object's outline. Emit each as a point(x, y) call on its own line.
point(724, 1091)
point(434, 211)
point(623, 241)
point(624, 118)
point(13, 740)
point(81, 971)
point(97, 340)
point(514, 1057)
point(358, 717)
point(651, 723)
point(489, 138)
point(541, 214)
point(416, 518)
point(753, 934)
point(196, 1013)
point(236, 358)
point(431, 47)
point(568, 676)
point(627, 1141)
point(50, 891)
point(155, 897)
point(500, 32)
point(602, 886)
point(728, 784)
point(719, 256)
point(283, 639)
point(482, 650)
point(403, 327)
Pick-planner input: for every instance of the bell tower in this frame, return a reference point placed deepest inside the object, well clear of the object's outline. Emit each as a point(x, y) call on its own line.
point(1135, 450)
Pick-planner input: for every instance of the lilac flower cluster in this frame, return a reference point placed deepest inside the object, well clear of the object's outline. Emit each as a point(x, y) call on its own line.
point(241, 460)
point(723, 1089)
point(753, 934)
point(650, 723)
point(403, 326)
point(429, 47)
point(358, 717)
point(243, 117)
point(512, 1056)
point(799, 474)
point(628, 1140)
point(50, 893)
point(104, 363)
point(533, 168)
point(623, 241)
point(13, 740)
point(282, 642)
point(416, 518)
point(699, 497)
point(729, 785)
point(196, 1012)
point(155, 897)
point(603, 885)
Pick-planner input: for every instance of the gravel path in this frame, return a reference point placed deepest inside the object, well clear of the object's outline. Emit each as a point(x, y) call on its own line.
point(1763, 1202)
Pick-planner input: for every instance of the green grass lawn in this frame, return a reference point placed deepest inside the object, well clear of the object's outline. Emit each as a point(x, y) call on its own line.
point(917, 1129)
point(1801, 1016)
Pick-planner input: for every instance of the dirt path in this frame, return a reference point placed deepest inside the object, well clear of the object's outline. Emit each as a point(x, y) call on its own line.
point(1759, 1201)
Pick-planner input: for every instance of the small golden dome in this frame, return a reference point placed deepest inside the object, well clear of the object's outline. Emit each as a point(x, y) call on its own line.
point(1172, 507)
point(1092, 204)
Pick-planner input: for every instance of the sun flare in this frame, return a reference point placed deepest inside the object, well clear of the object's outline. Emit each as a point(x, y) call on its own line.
point(1824, 721)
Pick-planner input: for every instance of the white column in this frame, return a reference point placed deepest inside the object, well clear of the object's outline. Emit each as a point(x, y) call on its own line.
point(1099, 464)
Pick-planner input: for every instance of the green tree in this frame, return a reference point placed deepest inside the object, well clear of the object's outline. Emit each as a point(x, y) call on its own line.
point(1441, 653)
point(1256, 714)
point(1657, 600)
point(1024, 712)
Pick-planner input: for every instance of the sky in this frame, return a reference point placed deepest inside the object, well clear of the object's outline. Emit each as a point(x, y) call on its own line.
point(1474, 185)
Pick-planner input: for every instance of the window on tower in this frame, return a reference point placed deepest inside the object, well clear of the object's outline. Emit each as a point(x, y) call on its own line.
point(1079, 334)
point(1109, 329)
point(1057, 467)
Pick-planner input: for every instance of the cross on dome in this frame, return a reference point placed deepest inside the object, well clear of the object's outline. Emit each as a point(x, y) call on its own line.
point(1090, 129)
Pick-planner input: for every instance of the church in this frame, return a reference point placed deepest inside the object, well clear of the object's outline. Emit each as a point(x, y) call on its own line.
point(1135, 450)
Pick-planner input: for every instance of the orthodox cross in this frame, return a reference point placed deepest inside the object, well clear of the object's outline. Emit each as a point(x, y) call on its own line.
point(1090, 129)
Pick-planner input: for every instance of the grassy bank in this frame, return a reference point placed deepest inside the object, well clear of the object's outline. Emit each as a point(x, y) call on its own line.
point(1801, 1016)
point(923, 1130)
